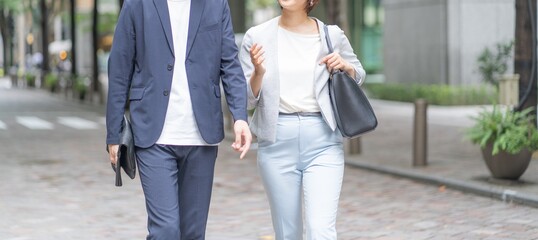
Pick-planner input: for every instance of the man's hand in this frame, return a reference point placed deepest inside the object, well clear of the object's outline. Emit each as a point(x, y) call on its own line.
point(243, 137)
point(113, 153)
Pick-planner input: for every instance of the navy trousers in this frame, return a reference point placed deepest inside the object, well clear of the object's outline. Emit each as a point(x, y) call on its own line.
point(177, 183)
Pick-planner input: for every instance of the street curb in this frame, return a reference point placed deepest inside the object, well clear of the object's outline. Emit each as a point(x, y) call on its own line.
point(504, 195)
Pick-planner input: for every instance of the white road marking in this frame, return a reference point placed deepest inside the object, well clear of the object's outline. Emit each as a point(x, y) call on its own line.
point(102, 120)
point(35, 123)
point(77, 123)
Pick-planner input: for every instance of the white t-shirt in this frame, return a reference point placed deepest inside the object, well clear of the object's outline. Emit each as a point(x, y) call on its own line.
point(180, 126)
point(297, 55)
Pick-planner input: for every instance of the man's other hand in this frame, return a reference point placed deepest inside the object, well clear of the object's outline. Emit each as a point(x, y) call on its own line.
point(243, 137)
point(113, 153)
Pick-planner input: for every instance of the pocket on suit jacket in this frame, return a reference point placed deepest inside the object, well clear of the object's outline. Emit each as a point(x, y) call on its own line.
point(209, 27)
point(216, 89)
point(136, 93)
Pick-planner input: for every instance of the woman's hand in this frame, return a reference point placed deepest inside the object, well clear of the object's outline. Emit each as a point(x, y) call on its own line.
point(334, 61)
point(257, 58)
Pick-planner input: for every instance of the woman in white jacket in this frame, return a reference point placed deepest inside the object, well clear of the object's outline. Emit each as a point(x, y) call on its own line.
point(300, 150)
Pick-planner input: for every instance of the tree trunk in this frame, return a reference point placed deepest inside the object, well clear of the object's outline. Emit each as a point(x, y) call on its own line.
point(9, 40)
point(336, 12)
point(524, 52)
point(7, 29)
point(95, 44)
point(120, 3)
point(45, 37)
point(72, 7)
point(5, 45)
point(237, 9)
point(333, 11)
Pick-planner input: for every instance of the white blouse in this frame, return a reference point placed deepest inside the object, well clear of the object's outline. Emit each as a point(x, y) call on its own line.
point(297, 54)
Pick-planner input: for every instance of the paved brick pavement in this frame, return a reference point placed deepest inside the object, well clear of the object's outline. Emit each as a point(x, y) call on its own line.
point(450, 155)
point(57, 184)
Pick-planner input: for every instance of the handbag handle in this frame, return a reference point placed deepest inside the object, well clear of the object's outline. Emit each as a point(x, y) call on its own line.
point(328, 39)
point(330, 46)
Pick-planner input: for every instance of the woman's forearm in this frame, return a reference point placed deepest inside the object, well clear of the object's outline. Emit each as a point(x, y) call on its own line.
point(256, 83)
point(350, 71)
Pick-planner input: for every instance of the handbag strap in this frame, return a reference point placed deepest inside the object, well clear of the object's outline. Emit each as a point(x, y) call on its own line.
point(328, 39)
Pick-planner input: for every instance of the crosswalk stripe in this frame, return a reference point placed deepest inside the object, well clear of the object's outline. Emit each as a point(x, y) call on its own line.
point(77, 123)
point(35, 123)
point(3, 125)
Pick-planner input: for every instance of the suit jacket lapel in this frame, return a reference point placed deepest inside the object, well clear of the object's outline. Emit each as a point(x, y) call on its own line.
point(164, 15)
point(197, 8)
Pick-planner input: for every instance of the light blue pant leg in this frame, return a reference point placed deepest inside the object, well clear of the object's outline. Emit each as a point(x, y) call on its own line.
point(307, 156)
point(277, 163)
point(322, 154)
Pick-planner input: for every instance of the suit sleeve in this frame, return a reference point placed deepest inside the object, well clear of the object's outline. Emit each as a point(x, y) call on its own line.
point(347, 53)
point(233, 79)
point(120, 69)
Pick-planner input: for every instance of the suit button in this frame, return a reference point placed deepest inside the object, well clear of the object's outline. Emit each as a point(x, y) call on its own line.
point(170, 67)
point(165, 92)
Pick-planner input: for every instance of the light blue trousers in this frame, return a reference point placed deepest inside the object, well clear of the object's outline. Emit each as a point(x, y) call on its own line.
point(306, 160)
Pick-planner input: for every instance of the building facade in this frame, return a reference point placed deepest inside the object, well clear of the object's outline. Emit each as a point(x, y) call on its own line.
point(439, 41)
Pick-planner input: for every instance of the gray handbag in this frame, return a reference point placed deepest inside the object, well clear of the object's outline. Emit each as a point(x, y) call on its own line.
point(126, 153)
point(352, 110)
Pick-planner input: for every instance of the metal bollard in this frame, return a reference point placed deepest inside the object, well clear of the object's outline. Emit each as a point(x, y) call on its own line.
point(353, 146)
point(420, 134)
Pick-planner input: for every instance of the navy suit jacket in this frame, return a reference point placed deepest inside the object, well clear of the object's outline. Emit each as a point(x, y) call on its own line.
point(141, 65)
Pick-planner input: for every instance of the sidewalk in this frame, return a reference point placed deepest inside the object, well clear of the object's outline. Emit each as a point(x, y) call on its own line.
point(453, 161)
point(58, 184)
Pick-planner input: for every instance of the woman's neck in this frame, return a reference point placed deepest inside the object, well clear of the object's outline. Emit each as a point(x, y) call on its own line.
point(298, 22)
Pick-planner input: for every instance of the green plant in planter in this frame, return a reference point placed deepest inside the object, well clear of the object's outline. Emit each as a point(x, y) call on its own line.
point(507, 139)
point(81, 86)
point(507, 130)
point(30, 79)
point(51, 81)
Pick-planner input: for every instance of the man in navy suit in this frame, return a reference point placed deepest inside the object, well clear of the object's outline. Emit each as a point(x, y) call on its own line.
point(167, 62)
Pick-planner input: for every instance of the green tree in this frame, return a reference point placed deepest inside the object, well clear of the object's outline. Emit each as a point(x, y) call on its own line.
point(492, 64)
point(95, 44)
point(73, 25)
point(45, 36)
point(7, 10)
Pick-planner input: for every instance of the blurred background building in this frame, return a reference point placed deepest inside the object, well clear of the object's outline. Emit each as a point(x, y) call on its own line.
point(438, 41)
point(398, 41)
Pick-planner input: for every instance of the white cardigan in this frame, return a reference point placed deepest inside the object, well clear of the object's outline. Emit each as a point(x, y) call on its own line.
point(264, 120)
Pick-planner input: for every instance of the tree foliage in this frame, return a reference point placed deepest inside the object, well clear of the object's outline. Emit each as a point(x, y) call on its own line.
point(492, 64)
point(10, 5)
point(7, 9)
